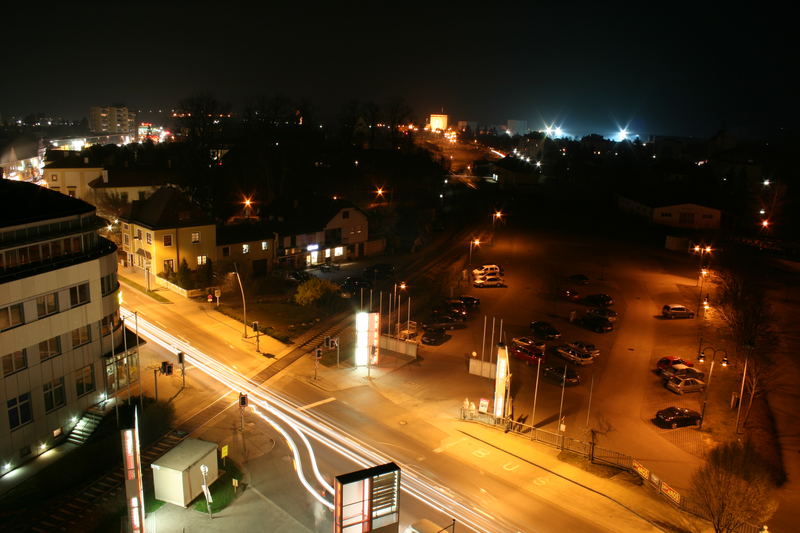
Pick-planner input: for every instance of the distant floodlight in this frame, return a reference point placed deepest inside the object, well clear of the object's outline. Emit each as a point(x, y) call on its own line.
point(766, 183)
point(539, 164)
point(559, 132)
point(548, 130)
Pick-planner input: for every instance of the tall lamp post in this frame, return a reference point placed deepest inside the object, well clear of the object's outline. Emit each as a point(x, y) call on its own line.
point(472, 244)
point(244, 305)
point(496, 217)
point(701, 250)
point(701, 358)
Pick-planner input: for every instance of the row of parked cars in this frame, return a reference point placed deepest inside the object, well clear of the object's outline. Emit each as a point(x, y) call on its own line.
point(450, 314)
point(680, 377)
point(488, 276)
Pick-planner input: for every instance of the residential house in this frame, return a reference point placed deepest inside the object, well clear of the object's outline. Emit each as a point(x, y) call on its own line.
point(252, 246)
point(72, 176)
point(161, 231)
point(125, 185)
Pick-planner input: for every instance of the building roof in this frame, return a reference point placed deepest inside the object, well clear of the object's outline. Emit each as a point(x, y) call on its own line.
point(246, 232)
point(186, 454)
point(19, 149)
point(25, 202)
point(167, 208)
point(127, 177)
point(310, 216)
point(72, 161)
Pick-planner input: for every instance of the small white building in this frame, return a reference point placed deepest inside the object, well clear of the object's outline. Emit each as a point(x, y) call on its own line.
point(674, 215)
point(177, 477)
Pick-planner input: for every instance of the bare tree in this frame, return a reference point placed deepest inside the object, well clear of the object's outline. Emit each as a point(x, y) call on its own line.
point(601, 427)
point(733, 488)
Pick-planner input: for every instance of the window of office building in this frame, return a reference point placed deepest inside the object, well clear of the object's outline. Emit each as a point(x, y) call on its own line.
point(49, 348)
point(195, 237)
point(79, 294)
point(11, 316)
point(108, 283)
point(14, 362)
point(109, 322)
point(47, 304)
point(54, 396)
point(81, 336)
point(84, 380)
point(19, 410)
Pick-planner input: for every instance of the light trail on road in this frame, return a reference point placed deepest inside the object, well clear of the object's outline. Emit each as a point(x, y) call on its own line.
point(303, 422)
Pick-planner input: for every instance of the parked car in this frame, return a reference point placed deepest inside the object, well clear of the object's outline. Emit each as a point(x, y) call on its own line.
point(299, 276)
point(544, 330)
point(676, 417)
point(586, 347)
point(598, 300)
point(490, 281)
point(682, 371)
point(579, 279)
point(574, 356)
point(458, 314)
point(434, 337)
point(603, 312)
point(676, 311)
point(570, 294)
point(485, 270)
point(681, 385)
point(595, 323)
point(379, 271)
point(330, 267)
point(440, 321)
point(457, 306)
point(556, 373)
point(470, 301)
point(666, 362)
point(526, 349)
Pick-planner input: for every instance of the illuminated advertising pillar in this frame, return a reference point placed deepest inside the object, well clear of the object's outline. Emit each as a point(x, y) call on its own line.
point(501, 381)
point(132, 466)
point(368, 500)
point(368, 335)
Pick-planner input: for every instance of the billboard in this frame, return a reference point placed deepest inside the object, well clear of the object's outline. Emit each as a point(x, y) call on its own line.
point(132, 466)
point(368, 336)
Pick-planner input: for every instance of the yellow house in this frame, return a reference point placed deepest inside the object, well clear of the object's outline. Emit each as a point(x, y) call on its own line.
point(72, 176)
point(166, 228)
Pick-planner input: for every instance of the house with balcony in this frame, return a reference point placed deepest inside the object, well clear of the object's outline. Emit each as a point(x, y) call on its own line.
point(161, 231)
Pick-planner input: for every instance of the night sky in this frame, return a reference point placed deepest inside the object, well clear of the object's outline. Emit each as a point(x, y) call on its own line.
point(660, 67)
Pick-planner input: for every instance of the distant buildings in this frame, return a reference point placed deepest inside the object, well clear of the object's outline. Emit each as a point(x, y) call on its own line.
point(517, 127)
point(438, 122)
point(112, 119)
point(22, 159)
point(60, 329)
point(682, 215)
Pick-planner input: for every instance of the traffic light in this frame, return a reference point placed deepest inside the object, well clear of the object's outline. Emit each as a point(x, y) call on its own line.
point(243, 401)
point(327, 342)
point(164, 365)
point(319, 353)
point(255, 326)
point(180, 358)
point(169, 369)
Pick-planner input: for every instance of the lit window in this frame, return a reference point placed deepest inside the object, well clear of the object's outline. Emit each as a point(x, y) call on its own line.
point(202, 259)
point(49, 348)
point(79, 294)
point(81, 336)
point(195, 237)
point(245, 248)
point(47, 304)
point(327, 252)
point(338, 251)
point(264, 245)
point(11, 316)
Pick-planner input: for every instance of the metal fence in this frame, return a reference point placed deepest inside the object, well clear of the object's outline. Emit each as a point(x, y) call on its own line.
point(602, 455)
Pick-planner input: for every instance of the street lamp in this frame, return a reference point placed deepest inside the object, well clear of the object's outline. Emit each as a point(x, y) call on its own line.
point(701, 250)
point(472, 244)
point(701, 357)
point(496, 216)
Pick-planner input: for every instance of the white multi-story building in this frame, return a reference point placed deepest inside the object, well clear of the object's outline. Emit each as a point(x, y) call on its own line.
point(60, 331)
point(112, 119)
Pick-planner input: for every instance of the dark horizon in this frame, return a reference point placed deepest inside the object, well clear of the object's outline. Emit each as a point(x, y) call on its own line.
point(687, 71)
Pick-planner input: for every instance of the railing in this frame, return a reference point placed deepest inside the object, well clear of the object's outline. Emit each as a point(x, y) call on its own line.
point(606, 456)
point(103, 247)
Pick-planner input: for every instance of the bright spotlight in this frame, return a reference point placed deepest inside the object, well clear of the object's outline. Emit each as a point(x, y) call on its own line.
point(559, 132)
point(623, 134)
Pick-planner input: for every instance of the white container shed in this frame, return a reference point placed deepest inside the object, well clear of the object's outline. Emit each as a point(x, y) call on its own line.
point(176, 474)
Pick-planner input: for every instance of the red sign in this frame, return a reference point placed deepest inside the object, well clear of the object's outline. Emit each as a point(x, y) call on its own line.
point(671, 493)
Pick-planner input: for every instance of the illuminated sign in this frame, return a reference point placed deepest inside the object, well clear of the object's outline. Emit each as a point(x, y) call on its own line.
point(501, 381)
point(368, 334)
point(671, 493)
point(312, 247)
point(368, 500)
point(133, 476)
point(641, 470)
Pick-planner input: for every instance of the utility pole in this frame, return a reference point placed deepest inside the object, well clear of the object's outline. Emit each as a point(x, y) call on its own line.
point(244, 304)
point(155, 382)
point(257, 331)
point(183, 369)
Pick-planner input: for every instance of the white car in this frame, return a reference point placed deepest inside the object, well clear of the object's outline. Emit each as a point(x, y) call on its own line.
point(489, 281)
point(681, 385)
point(574, 356)
point(488, 270)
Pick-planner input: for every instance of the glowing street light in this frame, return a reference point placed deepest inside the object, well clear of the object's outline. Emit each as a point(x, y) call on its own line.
point(766, 183)
point(538, 164)
point(472, 244)
point(379, 192)
point(765, 223)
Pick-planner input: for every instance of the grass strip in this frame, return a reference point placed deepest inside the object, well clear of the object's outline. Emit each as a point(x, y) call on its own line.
point(154, 295)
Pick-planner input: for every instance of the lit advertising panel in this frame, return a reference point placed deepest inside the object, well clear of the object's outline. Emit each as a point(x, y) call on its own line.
point(368, 336)
point(134, 493)
point(368, 500)
point(501, 381)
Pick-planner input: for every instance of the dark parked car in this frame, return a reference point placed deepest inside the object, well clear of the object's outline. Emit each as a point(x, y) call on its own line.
point(470, 301)
point(676, 417)
point(570, 294)
point(458, 314)
point(579, 279)
point(440, 321)
point(299, 276)
point(350, 286)
point(595, 323)
point(457, 306)
point(527, 349)
point(545, 330)
point(434, 337)
point(379, 271)
point(556, 374)
point(603, 312)
point(598, 300)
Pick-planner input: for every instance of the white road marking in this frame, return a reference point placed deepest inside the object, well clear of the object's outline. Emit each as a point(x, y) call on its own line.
point(443, 447)
point(321, 402)
point(480, 453)
point(510, 466)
